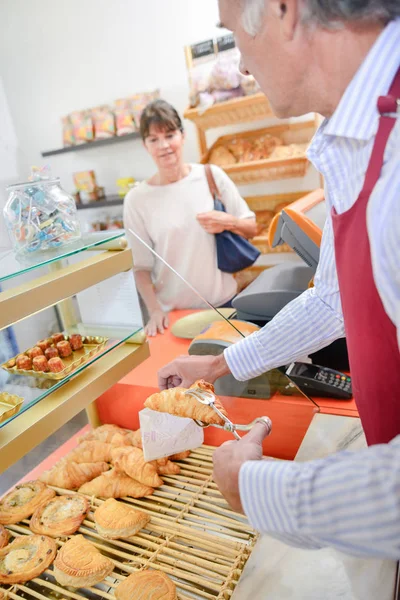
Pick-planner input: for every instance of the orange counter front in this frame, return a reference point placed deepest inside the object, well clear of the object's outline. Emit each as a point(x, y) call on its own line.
point(290, 416)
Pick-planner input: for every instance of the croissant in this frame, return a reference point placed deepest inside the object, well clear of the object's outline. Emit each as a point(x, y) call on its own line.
point(115, 485)
point(131, 461)
point(91, 452)
point(80, 564)
point(151, 585)
point(169, 468)
point(26, 558)
point(180, 455)
point(115, 520)
point(63, 515)
point(174, 402)
point(110, 434)
point(23, 500)
point(71, 475)
point(134, 438)
point(4, 536)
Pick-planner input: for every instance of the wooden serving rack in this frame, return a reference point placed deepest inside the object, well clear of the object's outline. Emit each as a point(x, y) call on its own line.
point(193, 536)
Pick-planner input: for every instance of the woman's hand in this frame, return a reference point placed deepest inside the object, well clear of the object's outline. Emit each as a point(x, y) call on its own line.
point(216, 221)
point(158, 322)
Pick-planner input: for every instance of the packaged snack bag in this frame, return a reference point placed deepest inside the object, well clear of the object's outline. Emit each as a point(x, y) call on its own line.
point(68, 131)
point(104, 122)
point(82, 126)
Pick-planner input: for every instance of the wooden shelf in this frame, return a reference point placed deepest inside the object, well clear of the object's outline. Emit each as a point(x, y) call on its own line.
point(29, 429)
point(238, 110)
point(95, 144)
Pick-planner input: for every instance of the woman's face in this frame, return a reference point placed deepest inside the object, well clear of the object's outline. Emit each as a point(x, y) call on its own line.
point(165, 147)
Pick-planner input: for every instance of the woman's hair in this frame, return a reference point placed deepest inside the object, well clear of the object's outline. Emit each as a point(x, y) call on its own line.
point(161, 114)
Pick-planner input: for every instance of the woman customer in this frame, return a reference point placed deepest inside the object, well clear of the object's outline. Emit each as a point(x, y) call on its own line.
point(173, 213)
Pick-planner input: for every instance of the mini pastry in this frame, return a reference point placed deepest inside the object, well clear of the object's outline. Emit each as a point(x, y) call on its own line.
point(64, 348)
point(110, 434)
point(35, 351)
point(174, 402)
point(57, 337)
point(44, 344)
point(70, 475)
point(26, 558)
point(93, 451)
point(24, 362)
point(115, 520)
point(63, 515)
point(79, 564)
point(23, 500)
point(180, 455)
point(146, 585)
point(75, 341)
point(51, 352)
point(115, 485)
point(39, 363)
point(56, 365)
point(4, 536)
point(131, 461)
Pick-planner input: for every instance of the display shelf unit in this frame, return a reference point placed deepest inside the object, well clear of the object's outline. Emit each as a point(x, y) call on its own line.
point(95, 144)
point(46, 408)
point(113, 200)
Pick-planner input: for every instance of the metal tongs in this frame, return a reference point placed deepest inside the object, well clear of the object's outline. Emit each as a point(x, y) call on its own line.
point(206, 397)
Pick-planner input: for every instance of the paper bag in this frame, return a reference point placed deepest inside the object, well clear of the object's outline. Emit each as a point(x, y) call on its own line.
point(164, 434)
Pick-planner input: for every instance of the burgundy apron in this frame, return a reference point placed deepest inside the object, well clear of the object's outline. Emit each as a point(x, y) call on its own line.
point(371, 336)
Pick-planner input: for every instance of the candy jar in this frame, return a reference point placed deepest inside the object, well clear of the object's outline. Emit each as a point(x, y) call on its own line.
point(40, 217)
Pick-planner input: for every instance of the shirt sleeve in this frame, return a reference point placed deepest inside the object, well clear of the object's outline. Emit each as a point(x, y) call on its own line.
point(349, 501)
point(234, 203)
point(142, 257)
point(305, 325)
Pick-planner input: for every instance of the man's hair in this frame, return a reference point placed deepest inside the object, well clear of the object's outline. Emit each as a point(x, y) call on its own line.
point(327, 13)
point(161, 114)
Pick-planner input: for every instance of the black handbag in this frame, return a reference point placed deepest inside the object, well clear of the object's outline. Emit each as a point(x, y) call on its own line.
point(234, 252)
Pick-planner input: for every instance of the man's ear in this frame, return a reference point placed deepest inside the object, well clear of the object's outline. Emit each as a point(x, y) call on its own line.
point(286, 12)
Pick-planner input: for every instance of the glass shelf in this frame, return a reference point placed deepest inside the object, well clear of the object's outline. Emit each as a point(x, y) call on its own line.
point(10, 267)
point(34, 389)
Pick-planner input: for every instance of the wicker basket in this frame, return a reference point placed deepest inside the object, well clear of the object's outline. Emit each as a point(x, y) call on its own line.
point(238, 110)
point(269, 169)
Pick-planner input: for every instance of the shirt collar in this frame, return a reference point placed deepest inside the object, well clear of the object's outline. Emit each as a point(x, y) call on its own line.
point(357, 115)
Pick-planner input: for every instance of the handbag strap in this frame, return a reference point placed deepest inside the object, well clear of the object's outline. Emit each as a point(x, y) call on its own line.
point(215, 193)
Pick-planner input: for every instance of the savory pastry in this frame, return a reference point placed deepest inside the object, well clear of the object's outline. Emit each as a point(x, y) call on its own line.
point(26, 558)
point(180, 455)
point(70, 475)
point(51, 352)
point(75, 341)
point(63, 515)
point(174, 402)
point(24, 362)
point(23, 500)
point(146, 585)
point(4, 536)
point(169, 468)
point(110, 434)
point(64, 348)
point(115, 485)
point(79, 564)
point(39, 363)
point(93, 451)
point(57, 337)
point(35, 351)
point(221, 156)
point(115, 520)
point(44, 344)
point(131, 461)
point(56, 365)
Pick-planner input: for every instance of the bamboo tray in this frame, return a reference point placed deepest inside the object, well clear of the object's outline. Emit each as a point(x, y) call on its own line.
point(269, 169)
point(237, 110)
point(193, 536)
point(92, 345)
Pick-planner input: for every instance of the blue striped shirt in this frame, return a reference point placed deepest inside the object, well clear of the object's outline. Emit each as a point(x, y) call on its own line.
point(292, 499)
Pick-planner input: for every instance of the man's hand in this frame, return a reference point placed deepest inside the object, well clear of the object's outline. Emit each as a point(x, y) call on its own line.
point(228, 459)
point(185, 370)
point(216, 221)
point(157, 323)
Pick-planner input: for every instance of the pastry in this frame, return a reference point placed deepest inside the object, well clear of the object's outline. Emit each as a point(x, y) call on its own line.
point(57, 337)
point(24, 362)
point(93, 451)
point(63, 515)
point(4, 536)
point(56, 365)
point(115, 520)
point(131, 461)
point(221, 156)
point(51, 352)
point(239, 147)
point(23, 500)
point(44, 344)
point(75, 341)
point(146, 585)
point(71, 475)
point(26, 558)
point(180, 455)
point(174, 402)
point(11, 363)
point(79, 564)
point(169, 468)
point(35, 351)
point(115, 485)
point(39, 363)
point(64, 348)
point(135, 438)
point(110, 434)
